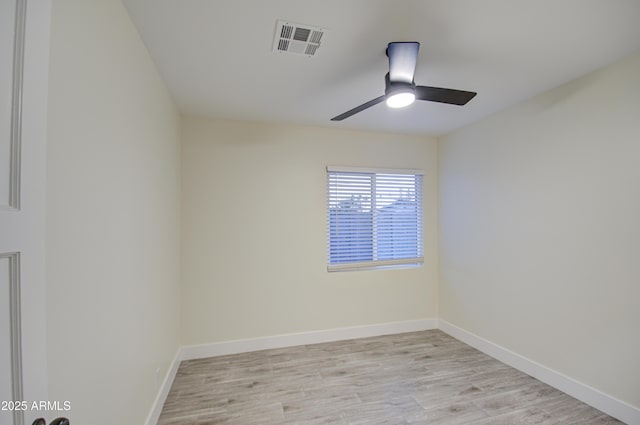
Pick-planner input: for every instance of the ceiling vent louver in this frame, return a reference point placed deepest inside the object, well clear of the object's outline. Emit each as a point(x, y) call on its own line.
point(297, 38)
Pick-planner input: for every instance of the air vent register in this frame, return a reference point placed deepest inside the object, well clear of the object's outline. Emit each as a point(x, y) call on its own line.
point(297, 38)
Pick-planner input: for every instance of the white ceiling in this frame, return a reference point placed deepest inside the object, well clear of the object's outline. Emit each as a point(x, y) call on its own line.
point(216, 55)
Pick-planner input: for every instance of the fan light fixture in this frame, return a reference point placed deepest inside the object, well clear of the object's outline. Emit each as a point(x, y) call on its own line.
point(400, 100)
point(399, 95)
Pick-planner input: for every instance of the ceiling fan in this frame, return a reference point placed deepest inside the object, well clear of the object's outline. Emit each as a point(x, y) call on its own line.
point(401, 90)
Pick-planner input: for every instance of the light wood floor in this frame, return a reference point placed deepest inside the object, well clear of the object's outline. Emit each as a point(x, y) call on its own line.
point(413, 378)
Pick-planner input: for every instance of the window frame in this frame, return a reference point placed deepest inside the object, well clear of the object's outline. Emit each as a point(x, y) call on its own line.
point(375, 264)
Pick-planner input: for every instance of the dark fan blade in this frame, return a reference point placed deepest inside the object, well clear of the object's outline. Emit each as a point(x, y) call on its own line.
point(403, 57)
point(437, 94)
point(357, 109)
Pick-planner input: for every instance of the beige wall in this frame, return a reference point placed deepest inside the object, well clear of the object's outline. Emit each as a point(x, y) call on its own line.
point(112, 217)
point(539, 230)
point(254, 232)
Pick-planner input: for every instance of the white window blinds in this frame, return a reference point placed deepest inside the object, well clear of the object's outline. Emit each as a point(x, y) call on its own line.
point(374, 218)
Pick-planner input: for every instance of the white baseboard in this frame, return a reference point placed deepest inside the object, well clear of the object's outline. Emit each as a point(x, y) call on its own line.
point(163, 392)
point(601, 401)
point(314, 337)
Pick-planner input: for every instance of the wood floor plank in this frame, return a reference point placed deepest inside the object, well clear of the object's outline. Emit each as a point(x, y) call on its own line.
point(413, 378)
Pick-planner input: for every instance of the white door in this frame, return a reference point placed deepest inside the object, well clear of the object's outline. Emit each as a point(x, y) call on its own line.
point(24, 44)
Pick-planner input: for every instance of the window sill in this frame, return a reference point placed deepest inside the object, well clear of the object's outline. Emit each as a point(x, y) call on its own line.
point(366, 267)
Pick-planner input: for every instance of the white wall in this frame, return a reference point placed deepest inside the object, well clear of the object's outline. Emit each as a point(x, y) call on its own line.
point(254, 232)
point(113, 182)
point(540, 233)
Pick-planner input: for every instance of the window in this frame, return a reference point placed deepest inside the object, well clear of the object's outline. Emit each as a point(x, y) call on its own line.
point(374, 218)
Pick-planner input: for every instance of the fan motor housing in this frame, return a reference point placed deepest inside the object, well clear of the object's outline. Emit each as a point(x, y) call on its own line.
point(397, 87)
